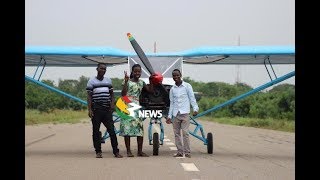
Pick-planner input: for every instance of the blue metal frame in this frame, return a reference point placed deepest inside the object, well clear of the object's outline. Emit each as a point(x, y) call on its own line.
point(54, 89)
point(215, 108)
point(116, 119)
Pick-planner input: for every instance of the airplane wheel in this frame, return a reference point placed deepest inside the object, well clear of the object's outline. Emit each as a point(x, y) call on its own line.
point(210, 143)
point(155, 144)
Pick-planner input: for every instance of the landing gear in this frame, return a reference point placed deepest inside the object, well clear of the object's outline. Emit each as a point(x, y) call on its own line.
point(155, 144)
point(210, 143)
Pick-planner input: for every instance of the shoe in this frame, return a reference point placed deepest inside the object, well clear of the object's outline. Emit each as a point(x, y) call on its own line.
point(178, 155)
point(188, 155)
point(118, 155)
point(129, 154)
point(99, 155)
point(142, 154)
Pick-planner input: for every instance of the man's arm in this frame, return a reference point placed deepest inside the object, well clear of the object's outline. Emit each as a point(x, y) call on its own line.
point(89, 102)
point(112, 103)
point(125, 84)
point(124, 88)
point(149, 88)
point(192, 99)
point(171, 104)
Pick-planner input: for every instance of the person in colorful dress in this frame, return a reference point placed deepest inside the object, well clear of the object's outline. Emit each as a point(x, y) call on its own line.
point(133, 127)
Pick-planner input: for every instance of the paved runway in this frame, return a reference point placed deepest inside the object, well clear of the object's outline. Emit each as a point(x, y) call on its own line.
point(65, 151)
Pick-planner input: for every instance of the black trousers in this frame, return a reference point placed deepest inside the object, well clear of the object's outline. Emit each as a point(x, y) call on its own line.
point(105, 117)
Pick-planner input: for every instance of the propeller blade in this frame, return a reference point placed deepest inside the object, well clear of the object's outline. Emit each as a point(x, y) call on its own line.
point(140, 53)
point(143, 57)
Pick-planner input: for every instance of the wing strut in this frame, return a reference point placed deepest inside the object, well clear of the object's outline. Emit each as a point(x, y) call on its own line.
point(233, 100)
point(44, 64)
point(264, 62)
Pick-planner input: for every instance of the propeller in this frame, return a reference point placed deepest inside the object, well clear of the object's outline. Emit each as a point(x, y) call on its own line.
point(140, 53)
point(145, 60)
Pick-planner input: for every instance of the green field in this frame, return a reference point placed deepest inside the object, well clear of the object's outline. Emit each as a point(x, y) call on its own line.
point(56, 116)
point(68, 116)
point(274, 124)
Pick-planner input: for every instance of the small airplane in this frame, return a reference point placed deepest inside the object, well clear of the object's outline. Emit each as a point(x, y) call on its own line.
point(162, 65)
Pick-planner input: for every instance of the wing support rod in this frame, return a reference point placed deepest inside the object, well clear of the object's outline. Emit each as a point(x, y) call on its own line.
point(199, 126)
point(264, 86)
point(267, 58)
point(55, 90)
point(44, 64)
point(106, 135)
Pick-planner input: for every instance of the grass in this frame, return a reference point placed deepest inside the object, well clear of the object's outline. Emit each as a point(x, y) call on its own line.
point(274, 124)
point(70, 116)
point(55, 117)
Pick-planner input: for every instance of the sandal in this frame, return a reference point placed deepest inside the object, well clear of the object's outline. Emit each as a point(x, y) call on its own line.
point(118, 155)
point(129, 154)
point(142, 154)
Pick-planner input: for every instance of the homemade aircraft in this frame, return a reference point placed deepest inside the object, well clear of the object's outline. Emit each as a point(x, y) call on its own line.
point(162, 64)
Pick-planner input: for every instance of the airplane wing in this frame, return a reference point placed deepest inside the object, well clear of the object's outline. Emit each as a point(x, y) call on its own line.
point(74, 56)
point(236, 55)
point(89, 56)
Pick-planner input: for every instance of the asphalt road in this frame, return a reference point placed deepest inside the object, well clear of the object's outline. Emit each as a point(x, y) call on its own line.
point(65, 151)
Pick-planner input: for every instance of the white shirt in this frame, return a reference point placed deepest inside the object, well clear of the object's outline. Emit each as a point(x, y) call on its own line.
point(180, 99)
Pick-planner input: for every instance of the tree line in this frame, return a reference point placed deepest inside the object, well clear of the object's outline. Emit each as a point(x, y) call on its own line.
point(277, 103)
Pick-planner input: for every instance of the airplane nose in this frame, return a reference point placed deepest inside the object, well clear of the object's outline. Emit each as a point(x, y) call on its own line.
point(157, 78)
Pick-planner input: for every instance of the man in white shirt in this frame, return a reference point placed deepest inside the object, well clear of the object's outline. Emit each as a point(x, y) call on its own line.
point(181, 96)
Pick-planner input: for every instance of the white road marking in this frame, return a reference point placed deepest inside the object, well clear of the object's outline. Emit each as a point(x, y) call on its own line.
point(180, 157)
point(186, 166)
point(170, 143)
point(189, 167)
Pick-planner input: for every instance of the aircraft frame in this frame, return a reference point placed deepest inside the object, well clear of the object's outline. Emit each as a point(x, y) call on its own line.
point(42, 56)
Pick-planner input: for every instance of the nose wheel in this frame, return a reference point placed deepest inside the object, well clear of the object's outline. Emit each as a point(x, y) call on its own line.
point(155, 140)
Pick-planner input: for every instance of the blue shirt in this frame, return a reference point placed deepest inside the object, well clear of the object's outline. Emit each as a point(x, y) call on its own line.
point(180, 99)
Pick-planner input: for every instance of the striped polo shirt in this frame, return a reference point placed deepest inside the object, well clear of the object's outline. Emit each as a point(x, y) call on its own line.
point(101, 98)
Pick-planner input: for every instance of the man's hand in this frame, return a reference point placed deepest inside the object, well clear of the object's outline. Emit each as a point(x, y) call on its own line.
point(168, 121)
point(111, 108)
point(90, 113)
point(126, 77)
point(195, 113)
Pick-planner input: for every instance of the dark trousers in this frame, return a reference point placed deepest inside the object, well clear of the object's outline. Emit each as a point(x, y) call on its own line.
point(105, 117)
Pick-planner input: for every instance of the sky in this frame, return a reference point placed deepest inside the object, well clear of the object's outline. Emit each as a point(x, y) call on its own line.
point(175, 25)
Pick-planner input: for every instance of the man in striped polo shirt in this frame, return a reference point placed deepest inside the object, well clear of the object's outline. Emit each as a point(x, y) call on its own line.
point(100, 107)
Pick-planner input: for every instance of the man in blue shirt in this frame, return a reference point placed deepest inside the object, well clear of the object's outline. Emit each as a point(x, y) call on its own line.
point(181, 96)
